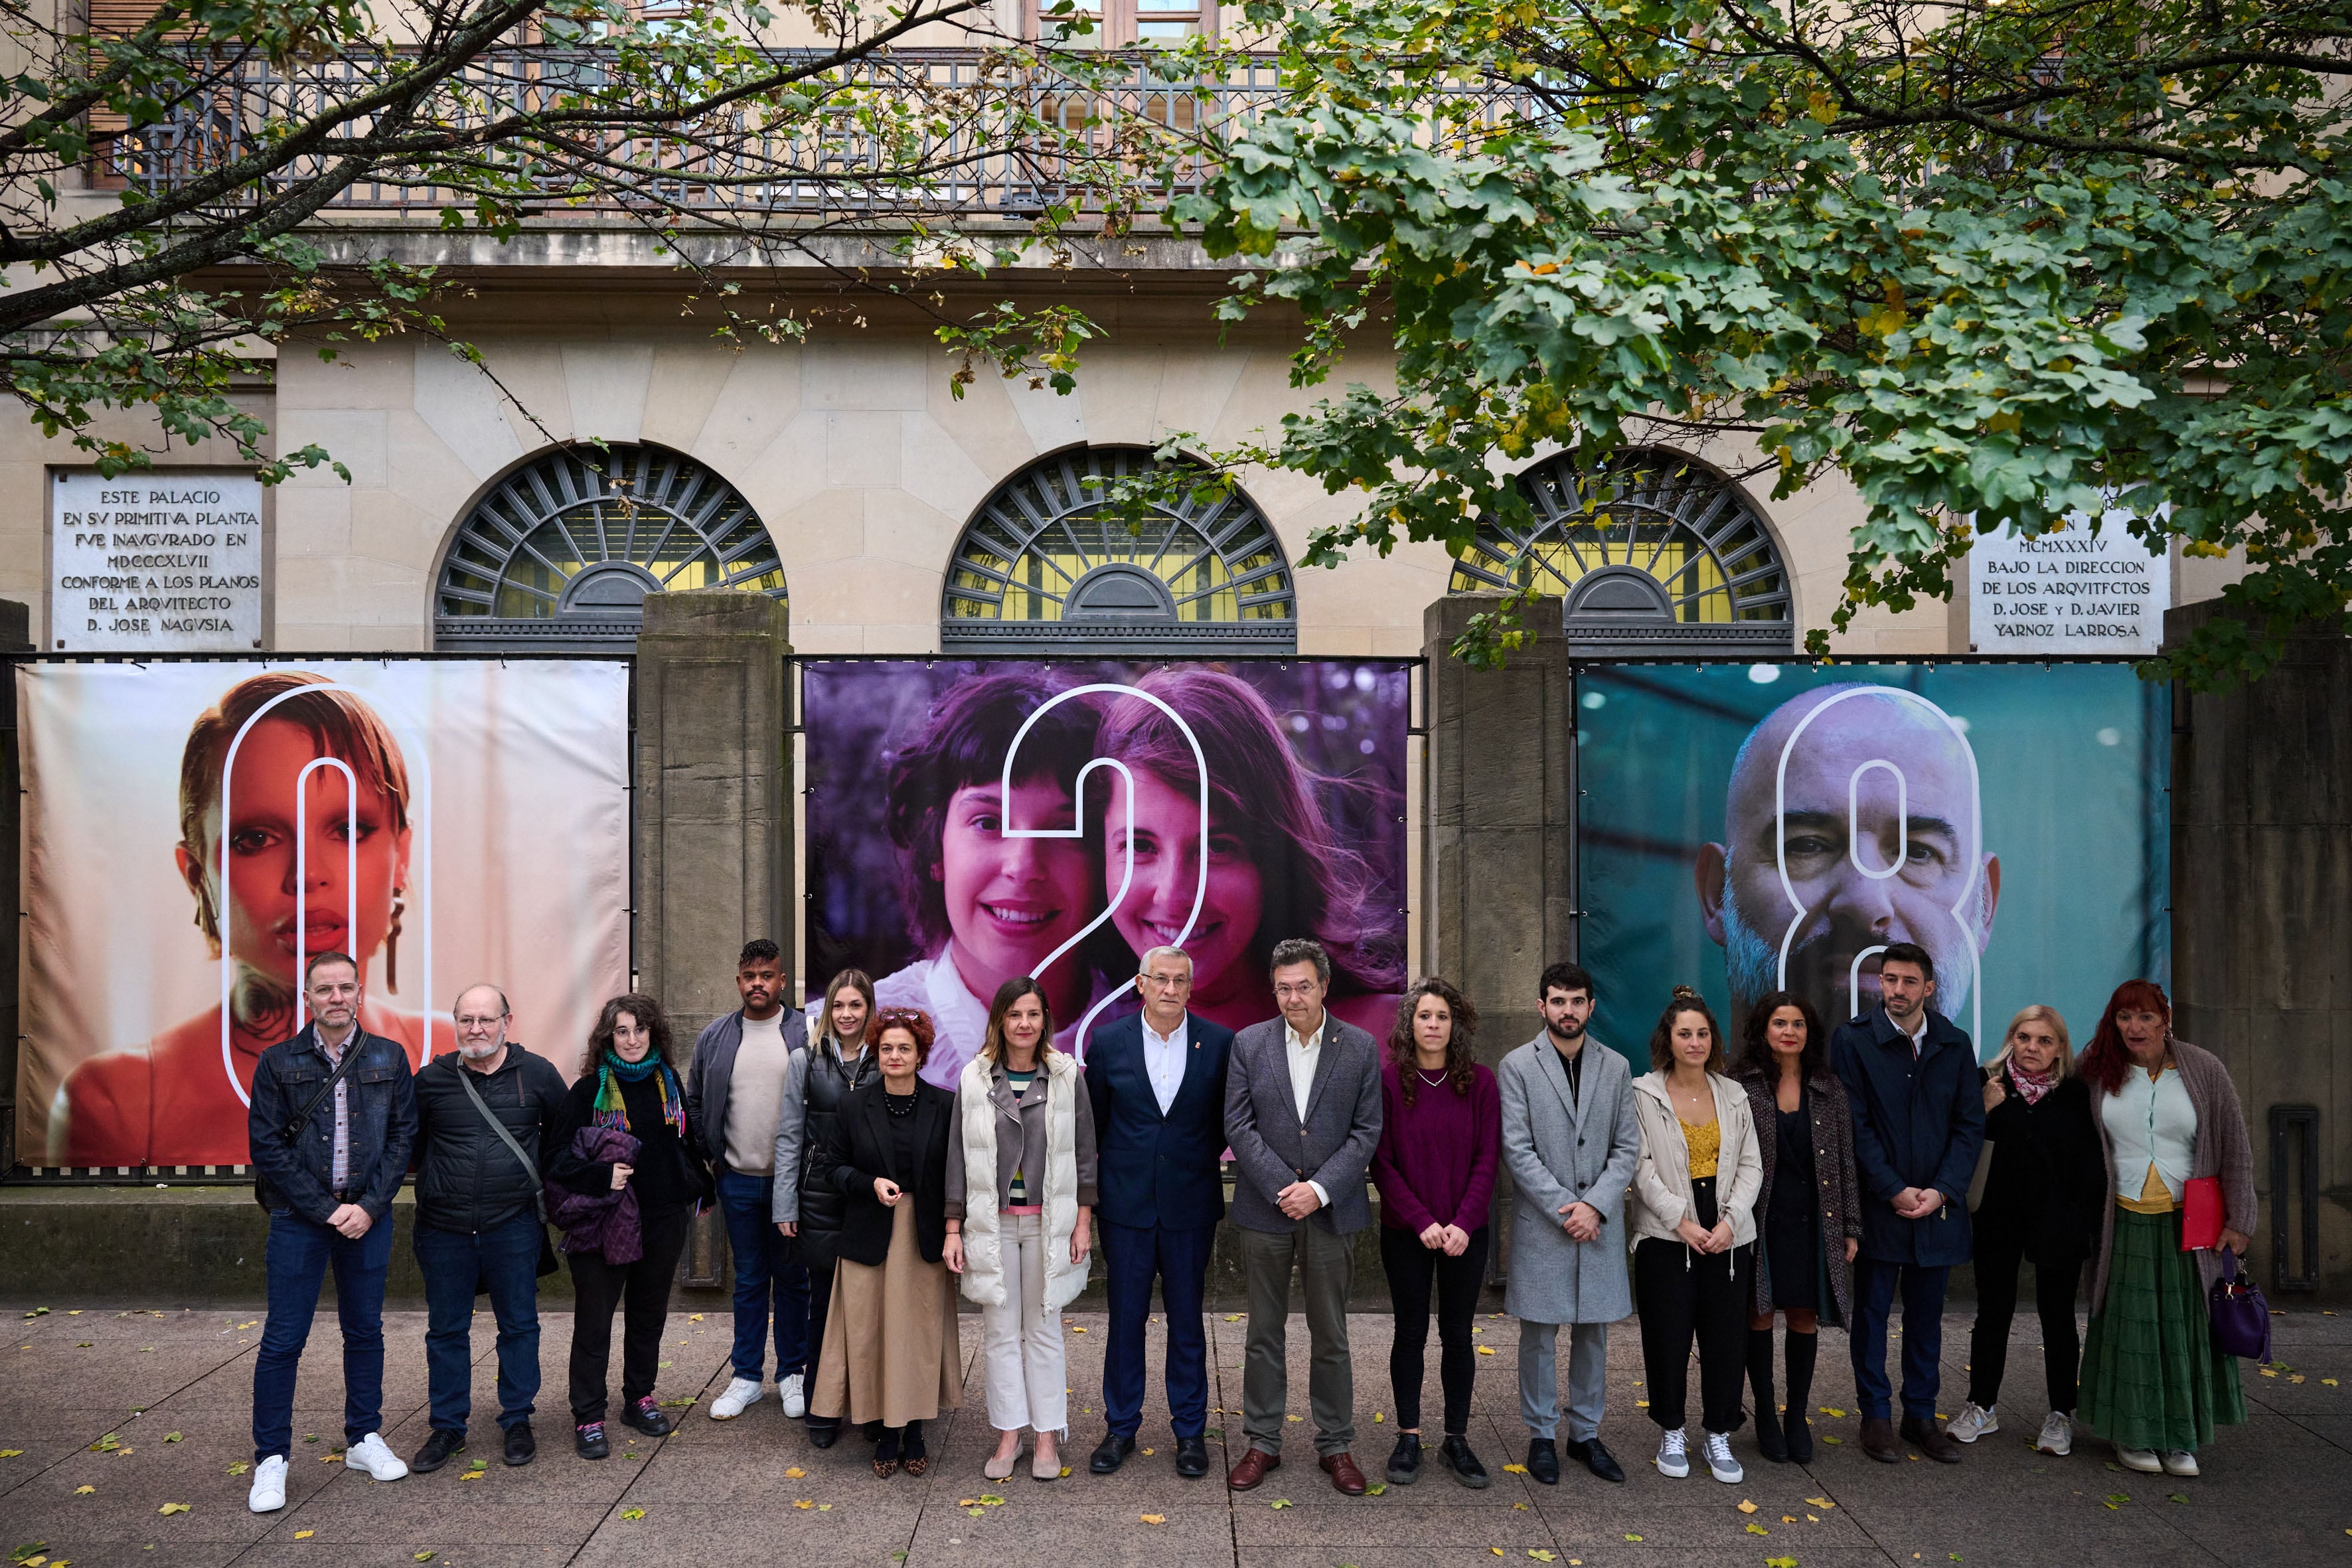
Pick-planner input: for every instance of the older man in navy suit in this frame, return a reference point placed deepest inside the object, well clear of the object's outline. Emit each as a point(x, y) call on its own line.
point(1158, 1083)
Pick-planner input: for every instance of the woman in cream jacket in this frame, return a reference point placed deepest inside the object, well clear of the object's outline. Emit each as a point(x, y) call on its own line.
point(1692, 1217)
point(1020, 1203)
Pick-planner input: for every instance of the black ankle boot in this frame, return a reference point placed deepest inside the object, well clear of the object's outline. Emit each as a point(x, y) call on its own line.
point(1797, 1355)
point(1769, 1441)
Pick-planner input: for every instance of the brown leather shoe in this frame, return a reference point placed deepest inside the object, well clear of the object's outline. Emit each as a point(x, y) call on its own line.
point(1252, 1469)
point(1878, 1440)
point(1345, 1477)
point(1930, 1440)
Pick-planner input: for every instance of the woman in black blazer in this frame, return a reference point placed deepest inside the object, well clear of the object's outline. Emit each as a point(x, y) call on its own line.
point(890, 1352)
point(2041, 1203)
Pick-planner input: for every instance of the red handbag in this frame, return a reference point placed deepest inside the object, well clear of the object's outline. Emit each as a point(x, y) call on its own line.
point(2201, 1214)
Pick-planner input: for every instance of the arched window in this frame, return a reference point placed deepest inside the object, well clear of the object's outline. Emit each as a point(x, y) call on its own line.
point(1041, 568)
point(562, 553)
point(1651, 552)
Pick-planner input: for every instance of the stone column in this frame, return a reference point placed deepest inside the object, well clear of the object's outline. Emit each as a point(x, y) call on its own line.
point(714, 815)
point(2262, 927)
point(16, 636)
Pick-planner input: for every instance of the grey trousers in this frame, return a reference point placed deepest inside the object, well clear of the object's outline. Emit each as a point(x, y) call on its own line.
point(1326, 1268)
point(1588, 1379)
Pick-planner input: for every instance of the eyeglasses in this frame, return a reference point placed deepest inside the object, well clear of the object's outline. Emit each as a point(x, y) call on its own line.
point(465, 1022)
point(1163, 981)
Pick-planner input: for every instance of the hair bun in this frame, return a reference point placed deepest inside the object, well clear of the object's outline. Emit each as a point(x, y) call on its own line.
point(1685, 993)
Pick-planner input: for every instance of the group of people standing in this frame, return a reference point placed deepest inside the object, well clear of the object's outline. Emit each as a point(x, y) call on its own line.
point(1818, 1178)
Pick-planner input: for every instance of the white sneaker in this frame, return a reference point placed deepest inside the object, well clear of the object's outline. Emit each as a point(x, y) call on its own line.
point(371, 1454)
point(740, 1395)
point(789, 1392)
point(1674, 1457)
point(2057, 1435)
point(1973, 1422)
point(2179, 1462)
point(268, 1493)
point(1719, 1462)
point(2144, 1460)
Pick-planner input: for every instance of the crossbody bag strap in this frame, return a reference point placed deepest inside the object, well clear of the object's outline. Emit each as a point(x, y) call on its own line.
point(529, 1166)
point(342, 1070)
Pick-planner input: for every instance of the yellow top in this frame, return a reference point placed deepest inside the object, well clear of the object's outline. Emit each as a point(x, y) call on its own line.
point(2155, 1197)
point(1705, 1143)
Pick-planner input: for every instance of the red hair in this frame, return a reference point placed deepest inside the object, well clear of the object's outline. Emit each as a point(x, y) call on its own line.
point(2106, 1061)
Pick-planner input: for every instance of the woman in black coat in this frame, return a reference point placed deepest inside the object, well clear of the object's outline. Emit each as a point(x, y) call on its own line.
point(2040, 1203)
point(890, 1352)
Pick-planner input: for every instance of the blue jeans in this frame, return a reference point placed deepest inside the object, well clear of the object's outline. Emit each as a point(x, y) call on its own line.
point(1179, 1258)
point(504, 1261)
point(300, 1251)
point(770, 1286)
point(1874, 1283)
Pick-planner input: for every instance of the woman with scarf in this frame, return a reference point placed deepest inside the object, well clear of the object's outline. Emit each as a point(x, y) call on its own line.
point(629, 1085)
point(2041, 1204)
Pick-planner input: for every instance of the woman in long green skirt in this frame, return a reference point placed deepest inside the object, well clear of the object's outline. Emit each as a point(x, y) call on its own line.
point(2167, 1114)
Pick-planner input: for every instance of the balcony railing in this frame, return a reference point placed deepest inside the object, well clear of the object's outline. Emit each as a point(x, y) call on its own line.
point(975, 140)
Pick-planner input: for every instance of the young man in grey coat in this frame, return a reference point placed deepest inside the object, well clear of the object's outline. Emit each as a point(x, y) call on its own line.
point(1569, 1141)
point(1302, 1115)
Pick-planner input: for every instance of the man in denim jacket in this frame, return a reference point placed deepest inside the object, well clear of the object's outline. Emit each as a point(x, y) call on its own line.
point(329, 1187)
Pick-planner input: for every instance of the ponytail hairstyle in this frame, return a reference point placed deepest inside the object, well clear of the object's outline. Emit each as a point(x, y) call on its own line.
point(1458, 1059)
point(1662, 1038)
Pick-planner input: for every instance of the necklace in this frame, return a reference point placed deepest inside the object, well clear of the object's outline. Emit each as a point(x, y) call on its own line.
point(1432, 1082)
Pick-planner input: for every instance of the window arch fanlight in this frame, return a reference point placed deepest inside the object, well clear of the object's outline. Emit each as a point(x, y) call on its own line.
point(1041, 568)
point(1650, 553)
point(561, 554)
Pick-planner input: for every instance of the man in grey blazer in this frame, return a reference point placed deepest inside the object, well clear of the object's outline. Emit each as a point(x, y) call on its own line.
point(1302, 1114)
point(1570, 1142)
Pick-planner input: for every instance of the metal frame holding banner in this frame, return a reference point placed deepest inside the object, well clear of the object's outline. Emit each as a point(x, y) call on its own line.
point(971, 819)
point(432, 809)
point(1756, 826)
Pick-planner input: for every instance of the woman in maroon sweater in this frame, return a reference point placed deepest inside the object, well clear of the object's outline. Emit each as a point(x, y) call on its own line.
point(1440, 1139)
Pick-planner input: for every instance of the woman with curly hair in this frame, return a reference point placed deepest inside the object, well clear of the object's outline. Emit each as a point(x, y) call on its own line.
point(1441, 1139)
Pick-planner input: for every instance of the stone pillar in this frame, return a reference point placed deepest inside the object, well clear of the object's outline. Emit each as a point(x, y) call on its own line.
point(714, 816)
point(16, 636)
point(2262, 929)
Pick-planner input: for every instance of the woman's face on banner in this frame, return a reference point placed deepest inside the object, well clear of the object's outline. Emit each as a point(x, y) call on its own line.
point(1166, 834)
point(1011, 901)
point(258, 922)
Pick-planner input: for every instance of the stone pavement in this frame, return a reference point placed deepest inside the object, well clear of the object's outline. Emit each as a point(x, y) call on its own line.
point(107, 1417)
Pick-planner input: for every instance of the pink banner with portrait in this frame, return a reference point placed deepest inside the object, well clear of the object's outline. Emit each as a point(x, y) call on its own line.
point(194, 832)
point(972, 821)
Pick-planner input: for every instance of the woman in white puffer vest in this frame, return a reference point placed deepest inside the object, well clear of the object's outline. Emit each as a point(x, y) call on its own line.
point(1020, 1210)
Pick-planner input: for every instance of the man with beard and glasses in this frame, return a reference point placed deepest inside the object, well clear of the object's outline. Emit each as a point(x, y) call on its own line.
point(1875, 840)
point(1569, 1141)
point(479, 1229)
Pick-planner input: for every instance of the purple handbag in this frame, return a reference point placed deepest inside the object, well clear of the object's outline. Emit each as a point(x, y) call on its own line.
point(2240, 1317)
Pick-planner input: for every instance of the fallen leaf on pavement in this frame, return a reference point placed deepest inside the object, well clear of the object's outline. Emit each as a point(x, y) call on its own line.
point(1755, 1529)
point(172, 1508)
point(1832, 1410)
point(171, 1436)
point(1153, 1518)
point(1282, 1502)
point(1514, 1469)
point(304, 1534)
point(84, 1491)
point(795, 1473)
point(633, 1513)
point(804, 1503)
point(1747, 1507)
point(1821, 1502)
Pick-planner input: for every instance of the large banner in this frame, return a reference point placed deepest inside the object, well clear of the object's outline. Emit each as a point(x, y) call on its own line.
point(193, 831)
point(1747, 828)
point(970, 821)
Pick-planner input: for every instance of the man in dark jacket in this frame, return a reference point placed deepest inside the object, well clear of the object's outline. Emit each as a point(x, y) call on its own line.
point(1918, 1120)
point(809, 1213)
point(734, 1096)
point(1157, 1080)
point(330, 1122)
point(478, 1220)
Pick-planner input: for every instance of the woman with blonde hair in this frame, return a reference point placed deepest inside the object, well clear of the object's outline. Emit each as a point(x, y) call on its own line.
point(1693, 1220)
point(2040, 1202)
point(1020, 1207)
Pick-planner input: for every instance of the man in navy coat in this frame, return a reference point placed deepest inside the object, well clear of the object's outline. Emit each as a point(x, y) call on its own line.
point(1918, 1120)
point(1158, 1083)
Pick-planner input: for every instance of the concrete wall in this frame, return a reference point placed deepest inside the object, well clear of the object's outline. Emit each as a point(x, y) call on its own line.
point(2261, 930)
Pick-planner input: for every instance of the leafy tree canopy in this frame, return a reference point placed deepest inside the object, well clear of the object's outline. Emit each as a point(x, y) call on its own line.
point(1996, 262)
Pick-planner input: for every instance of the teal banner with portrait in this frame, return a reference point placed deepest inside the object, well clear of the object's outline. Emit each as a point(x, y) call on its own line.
point(1746, 828)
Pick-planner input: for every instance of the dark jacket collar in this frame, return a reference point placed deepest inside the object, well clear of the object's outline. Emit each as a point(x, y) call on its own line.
point(1941, 1031)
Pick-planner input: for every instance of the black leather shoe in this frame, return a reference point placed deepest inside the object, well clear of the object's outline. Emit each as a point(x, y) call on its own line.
point(1799, 1434)
point(1191, 1458)
point(588, 1438)
point(522, 1447)
point(646, 1416)
point(438, 1445)
point(1455, 1455)
point(1543, 1461)
point(1597, 1458)
point(824, 1433)
point(1770, 1440)
point(1404, 1464)
point(1110, 1453)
